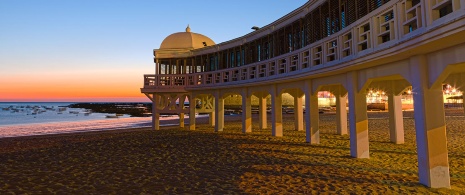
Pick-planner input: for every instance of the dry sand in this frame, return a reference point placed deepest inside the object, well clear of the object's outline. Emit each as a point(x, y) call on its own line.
point(173, 161)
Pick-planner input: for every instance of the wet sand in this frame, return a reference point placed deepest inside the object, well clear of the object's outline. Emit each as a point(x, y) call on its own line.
point(174, 161)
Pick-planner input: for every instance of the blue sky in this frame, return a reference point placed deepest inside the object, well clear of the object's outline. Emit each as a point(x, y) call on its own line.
point(109, 43)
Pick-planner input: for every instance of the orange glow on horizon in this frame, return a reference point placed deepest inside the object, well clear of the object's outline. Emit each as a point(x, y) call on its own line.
point(95, 86)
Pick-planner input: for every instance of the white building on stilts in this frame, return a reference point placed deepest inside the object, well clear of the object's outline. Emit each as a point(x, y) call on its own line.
point(341, 46)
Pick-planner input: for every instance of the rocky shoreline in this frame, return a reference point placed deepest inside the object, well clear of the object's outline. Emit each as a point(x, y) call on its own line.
point(133, 109)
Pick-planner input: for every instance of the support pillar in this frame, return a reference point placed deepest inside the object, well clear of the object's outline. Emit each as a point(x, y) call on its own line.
point(155, 114)
point(156, 66)
point(262, 112)
point(341, 114)
point(396, 121)
point(277, 113)
point(312, 131)
point(219, 112)
point(192, 113)
point(181, 120)
point(184, 70)
point(246, 112)
point(212, 119)
point(298, 113)
point(178, 68)
point(430, 127)
point(358, 119)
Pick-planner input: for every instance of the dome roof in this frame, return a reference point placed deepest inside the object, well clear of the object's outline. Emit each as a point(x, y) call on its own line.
point(186, 40)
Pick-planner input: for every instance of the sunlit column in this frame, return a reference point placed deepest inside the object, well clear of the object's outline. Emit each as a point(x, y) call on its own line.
point(298, 113)
point(192, 113)
point(341, 114)
point(311, 115)
point(262, 112)
point(155, 114)
point(194, 67)
point(181, 120)
point(212, 119)
point(219, 112)
point(430, 127)
point(178, 67)
point(277, 113)
point(396, 121)
point(156, 66)
point(212, 113)
point(184, 71)
point(246, 112)
point(358, 119)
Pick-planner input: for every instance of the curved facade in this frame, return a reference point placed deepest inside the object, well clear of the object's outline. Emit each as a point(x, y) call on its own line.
point(341, 46)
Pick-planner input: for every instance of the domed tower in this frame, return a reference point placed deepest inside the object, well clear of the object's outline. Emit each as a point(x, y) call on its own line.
point(173, 56)
point(174, 60)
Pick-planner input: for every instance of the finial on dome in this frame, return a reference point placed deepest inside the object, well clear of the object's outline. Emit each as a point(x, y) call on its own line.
point(188, 29)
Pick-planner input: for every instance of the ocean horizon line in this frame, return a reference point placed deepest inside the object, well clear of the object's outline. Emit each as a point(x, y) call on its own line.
point(73, 102)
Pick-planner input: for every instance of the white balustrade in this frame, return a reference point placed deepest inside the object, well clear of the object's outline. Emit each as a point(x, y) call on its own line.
point(368, 34)
point(317, 53)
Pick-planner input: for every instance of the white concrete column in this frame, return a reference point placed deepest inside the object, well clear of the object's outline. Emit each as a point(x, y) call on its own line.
point(277, 113)
point(184, 71)
point(192, 113)
point(246, 112)
point(181, 120)
point(396, 121)
point(262, 112)
point(178, 68)
point(219, 112)
point(298, 113)
point(312, 131)
point(212, 115)
point(430, 127)
point(155, 114)
point(212, 119)
point(341, 114)
point(156, 66)
point(358, 119)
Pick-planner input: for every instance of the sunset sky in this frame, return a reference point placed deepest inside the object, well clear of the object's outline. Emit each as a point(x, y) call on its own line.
point(88, 50)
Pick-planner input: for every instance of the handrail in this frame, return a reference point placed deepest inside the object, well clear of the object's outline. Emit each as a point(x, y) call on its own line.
point(382, 29)
point(153, 81)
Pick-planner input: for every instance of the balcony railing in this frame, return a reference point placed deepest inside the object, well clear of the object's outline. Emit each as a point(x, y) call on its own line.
point(153, 81)
point(392, 24)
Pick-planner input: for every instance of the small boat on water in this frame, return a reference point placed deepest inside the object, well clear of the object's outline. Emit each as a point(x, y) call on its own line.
point(119, 114)
point(111, 116)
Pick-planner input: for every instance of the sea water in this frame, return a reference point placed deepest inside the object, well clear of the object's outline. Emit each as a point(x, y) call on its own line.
point(23, 119)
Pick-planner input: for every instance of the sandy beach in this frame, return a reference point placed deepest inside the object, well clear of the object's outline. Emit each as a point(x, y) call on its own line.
point(174, 161)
